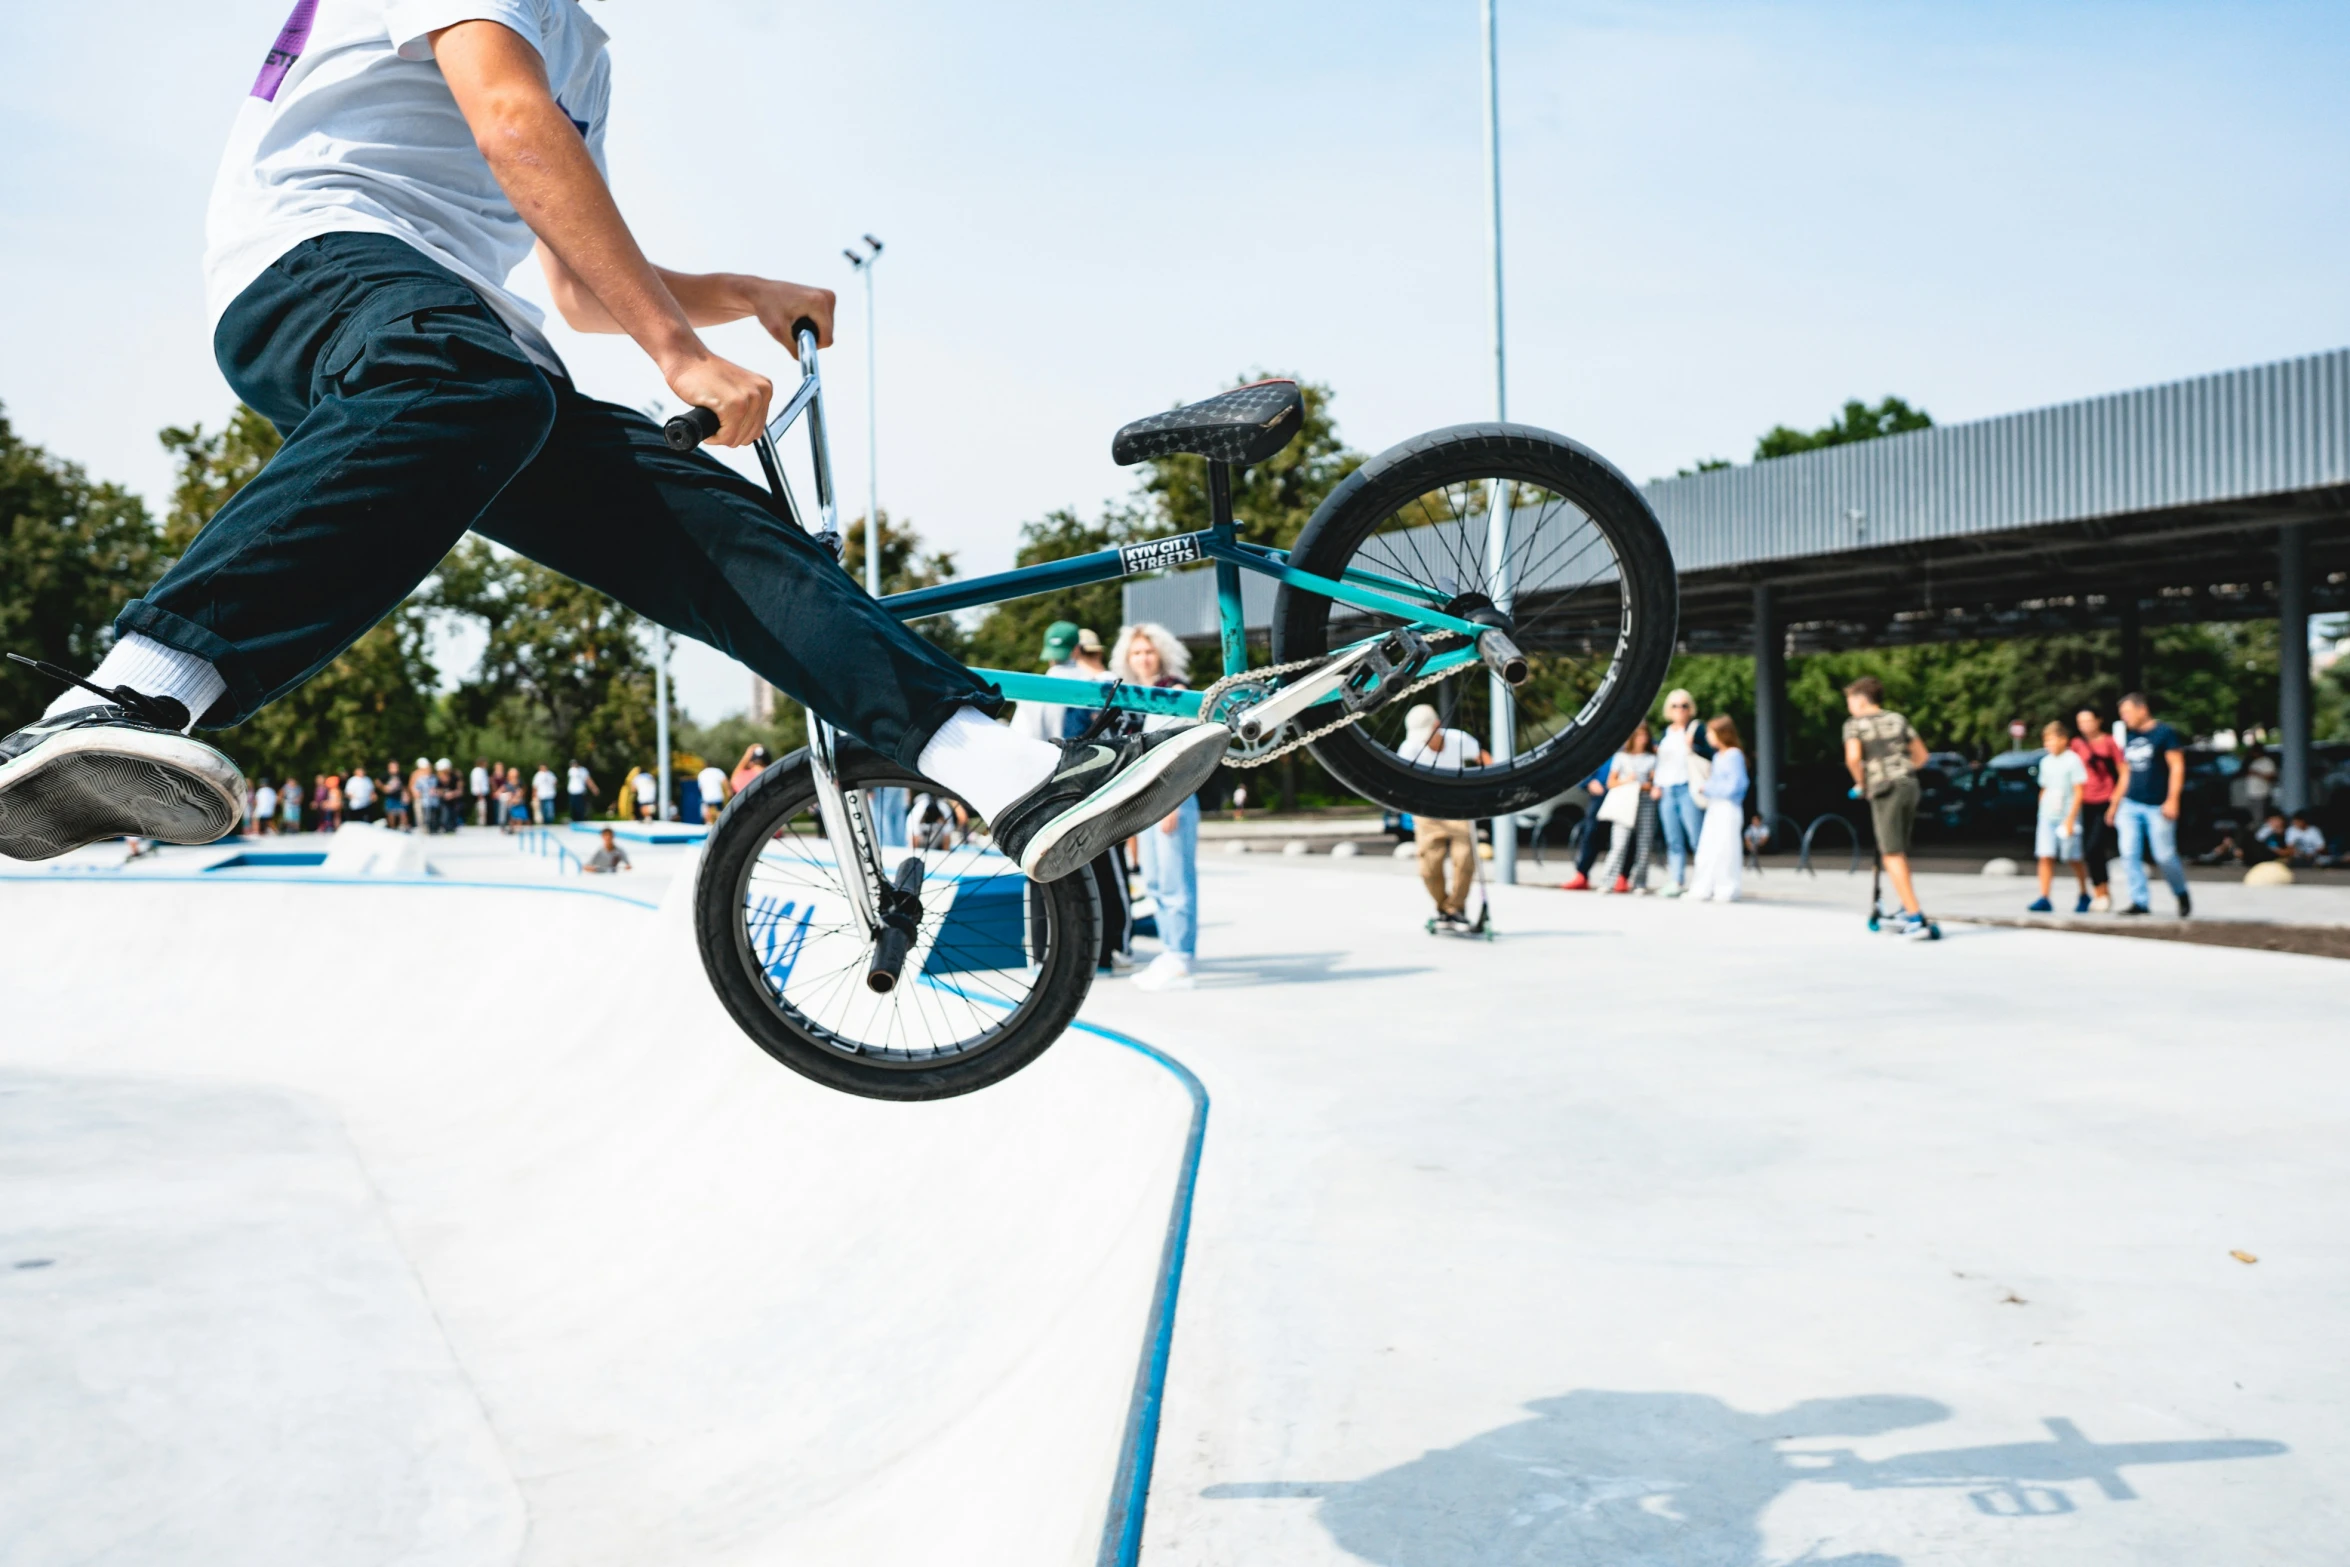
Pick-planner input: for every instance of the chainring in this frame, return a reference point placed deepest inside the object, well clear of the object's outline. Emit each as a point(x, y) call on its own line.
point(1227, 699)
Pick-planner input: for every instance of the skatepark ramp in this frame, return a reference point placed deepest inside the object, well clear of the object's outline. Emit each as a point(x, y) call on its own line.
point(447, 1224)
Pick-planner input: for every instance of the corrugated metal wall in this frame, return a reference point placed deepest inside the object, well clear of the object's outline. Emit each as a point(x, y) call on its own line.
point(2262, 431)
point(2267, 430)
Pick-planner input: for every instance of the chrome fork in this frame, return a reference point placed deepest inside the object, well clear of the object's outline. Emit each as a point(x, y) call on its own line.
point(848, 823)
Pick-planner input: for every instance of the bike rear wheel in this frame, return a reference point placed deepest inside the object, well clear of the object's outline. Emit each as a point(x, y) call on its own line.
point(1583, 577)
point(998, 969)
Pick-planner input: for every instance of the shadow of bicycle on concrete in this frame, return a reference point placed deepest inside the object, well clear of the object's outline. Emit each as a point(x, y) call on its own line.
point(1294, 968)
point(1684, 1479)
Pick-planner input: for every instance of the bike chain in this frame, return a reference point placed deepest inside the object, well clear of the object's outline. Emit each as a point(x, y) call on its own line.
point(1209, 698)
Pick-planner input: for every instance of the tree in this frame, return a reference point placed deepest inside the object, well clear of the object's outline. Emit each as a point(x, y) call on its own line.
point(1860, 422)
point(1271, 504)
point(72, 553)
point(211, 469)
point(1010, 634)
point(373, 704)
point(906, 566)
point(1274, 498)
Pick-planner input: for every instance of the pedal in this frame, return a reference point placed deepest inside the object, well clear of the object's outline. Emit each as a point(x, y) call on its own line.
point(1362, 678)
point(901, 922)
point(1387, 666)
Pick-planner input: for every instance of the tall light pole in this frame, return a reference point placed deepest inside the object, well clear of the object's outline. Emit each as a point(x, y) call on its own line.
point(864, 265)
point(1502, 736)
point(661, 720)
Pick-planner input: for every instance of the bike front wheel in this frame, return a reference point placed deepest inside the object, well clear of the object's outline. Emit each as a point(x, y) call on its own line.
point(1492, 517)
point(998, 968)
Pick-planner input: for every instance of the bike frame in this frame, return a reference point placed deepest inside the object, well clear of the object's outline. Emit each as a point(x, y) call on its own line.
point(846, 818)
point(1219, 542)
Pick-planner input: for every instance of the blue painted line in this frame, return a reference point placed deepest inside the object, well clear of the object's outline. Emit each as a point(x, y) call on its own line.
point(1130, 1492)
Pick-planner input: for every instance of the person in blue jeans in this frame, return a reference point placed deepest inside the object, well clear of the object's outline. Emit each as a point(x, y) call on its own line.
point(1149, 655)
point(2145, 811)
point(1682, 738)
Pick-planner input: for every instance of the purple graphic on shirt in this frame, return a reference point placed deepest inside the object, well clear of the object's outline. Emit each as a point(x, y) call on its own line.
point(285, 51)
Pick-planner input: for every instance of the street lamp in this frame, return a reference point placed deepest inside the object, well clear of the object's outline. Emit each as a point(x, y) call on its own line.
point(864, 263)
point(661, 720)
point(1502, 737)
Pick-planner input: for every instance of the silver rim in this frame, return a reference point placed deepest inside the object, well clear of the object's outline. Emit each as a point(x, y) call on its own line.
point(972, 973)
point(1559, 578)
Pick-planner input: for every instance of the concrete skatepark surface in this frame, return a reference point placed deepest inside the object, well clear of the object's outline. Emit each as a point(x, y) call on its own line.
point(454, 1225)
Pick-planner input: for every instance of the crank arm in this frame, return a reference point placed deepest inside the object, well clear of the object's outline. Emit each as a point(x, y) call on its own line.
point(1285, 704)
point(848, 827)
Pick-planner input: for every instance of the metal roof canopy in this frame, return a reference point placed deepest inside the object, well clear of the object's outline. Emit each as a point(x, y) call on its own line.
point(2167, 498)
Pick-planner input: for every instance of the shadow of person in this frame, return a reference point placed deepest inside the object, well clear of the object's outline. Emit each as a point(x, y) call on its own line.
point(1601, 1478)
point(1684, 1479)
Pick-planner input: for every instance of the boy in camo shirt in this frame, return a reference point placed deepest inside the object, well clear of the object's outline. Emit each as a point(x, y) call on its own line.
point(1883, 754)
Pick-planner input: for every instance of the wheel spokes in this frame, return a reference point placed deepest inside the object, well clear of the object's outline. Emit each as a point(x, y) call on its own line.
point(973, 968)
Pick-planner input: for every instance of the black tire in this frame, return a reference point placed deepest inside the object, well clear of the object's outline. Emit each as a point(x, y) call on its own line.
point(1599, 648)
point(762, 842)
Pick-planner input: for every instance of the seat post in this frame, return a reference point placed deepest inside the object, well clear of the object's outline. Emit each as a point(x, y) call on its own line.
point(1228, 608)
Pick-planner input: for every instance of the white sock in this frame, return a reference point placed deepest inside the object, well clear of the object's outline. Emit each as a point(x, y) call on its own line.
point(151, 669)
point(984, 762)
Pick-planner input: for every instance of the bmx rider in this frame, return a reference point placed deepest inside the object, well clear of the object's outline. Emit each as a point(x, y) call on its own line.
point(393, 162)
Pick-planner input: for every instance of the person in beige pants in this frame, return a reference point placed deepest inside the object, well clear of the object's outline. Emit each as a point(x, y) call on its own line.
point(1448, 849)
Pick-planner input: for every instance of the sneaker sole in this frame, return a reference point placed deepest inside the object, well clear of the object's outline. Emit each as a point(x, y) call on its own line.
point(86, 787)
point(1149, 791)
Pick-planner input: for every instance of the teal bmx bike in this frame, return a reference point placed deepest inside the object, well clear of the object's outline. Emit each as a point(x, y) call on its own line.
point(1510, 577)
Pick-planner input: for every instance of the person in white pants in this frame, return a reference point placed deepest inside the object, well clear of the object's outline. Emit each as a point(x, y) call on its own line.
point(1721, 851)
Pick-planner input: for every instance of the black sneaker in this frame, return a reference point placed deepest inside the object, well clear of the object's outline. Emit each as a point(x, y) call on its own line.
point(2138, 910)
point(2186, 905)
point(1104, 792)
point(116, 769)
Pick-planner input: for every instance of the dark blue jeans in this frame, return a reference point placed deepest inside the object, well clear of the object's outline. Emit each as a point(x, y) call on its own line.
point(410, 416)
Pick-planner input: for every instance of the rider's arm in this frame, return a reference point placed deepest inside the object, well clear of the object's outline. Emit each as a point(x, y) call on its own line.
point(708, 299)
point(543, 165)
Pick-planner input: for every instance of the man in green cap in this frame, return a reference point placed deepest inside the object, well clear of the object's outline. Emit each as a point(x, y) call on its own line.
point(1046, 720)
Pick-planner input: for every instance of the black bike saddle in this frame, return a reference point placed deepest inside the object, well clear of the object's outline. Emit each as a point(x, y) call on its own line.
point(1245, 425)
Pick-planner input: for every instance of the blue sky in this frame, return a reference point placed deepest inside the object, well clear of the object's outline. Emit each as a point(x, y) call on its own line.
point(1720, 216)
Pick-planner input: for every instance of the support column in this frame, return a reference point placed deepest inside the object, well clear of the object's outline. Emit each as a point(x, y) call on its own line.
point(1770, 701)
point(2133, 641)
point(2293, 715)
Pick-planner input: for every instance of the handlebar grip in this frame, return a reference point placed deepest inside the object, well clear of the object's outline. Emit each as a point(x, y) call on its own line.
point(690, 429)
point(803, 324)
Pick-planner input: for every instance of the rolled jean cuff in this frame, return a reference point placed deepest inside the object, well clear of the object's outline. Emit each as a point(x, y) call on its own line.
point(244, 697)
point(924, 729)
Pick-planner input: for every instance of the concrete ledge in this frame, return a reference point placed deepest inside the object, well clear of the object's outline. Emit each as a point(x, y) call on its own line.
point(2317, 941)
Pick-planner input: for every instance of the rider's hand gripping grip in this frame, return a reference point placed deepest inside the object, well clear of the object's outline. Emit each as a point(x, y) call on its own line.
point(690, 429)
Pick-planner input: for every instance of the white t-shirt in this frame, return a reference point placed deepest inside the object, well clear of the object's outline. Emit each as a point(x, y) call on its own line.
point(575, 779)
point(481, 782)
point(1458, 750)
point(2060, 775)
point(350, 129)
point(1636, 767)
point(359, 792)
point(1672, 755)
point(2305, 839)
point(542, 784)
point(265, 801)
point(713, 784)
